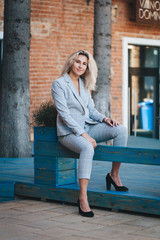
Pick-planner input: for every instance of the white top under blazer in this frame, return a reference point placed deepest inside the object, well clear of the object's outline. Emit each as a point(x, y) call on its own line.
point(74, 110)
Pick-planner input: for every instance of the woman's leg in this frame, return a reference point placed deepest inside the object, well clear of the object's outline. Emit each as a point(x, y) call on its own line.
point(102, 132)
point(83, 184)
point(115, 173)
point(84, 148)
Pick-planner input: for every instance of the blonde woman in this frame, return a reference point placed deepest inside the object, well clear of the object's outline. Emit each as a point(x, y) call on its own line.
point(80, 126)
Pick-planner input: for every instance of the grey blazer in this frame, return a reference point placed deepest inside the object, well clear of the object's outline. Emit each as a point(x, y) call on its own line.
point(73, 109)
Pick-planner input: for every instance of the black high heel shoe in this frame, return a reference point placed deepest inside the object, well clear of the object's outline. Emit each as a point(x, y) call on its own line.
point(84, 214)
point(110, 181)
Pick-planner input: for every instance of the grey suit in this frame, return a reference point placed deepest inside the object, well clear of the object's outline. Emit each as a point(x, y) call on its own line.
point(73, 109)
point(76, 115)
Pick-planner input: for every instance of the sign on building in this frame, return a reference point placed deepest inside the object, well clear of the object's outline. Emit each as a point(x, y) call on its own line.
point(148, 11)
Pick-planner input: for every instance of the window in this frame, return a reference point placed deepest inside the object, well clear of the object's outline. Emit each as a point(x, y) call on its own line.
point(144, 67)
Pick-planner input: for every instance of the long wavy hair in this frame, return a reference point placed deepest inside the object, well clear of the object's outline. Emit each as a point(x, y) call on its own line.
point(90, 75)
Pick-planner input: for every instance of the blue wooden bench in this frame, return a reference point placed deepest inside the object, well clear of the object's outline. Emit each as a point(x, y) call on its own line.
point(56, 174)
point(56, 165)
point(47, 144)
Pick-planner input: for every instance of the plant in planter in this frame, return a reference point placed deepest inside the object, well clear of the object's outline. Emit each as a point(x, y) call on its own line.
point(44, 121)
point(46, 115)
point(49, 169)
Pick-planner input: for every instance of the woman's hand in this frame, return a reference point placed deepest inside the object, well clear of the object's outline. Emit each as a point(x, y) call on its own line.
point(111, 122)
point(89, 139)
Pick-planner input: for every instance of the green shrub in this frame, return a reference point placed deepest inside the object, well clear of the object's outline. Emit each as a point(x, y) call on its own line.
point(46, 115)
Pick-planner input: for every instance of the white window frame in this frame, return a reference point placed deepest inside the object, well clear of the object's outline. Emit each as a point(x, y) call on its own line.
point(125, 42)
point(1, 35)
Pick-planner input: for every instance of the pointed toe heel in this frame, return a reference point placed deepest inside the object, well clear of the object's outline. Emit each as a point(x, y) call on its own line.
point(84, 214)
point(110, 181)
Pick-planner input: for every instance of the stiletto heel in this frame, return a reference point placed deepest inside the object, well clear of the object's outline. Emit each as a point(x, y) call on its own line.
point(110, 181)
point(84, 214)
point(108, 185)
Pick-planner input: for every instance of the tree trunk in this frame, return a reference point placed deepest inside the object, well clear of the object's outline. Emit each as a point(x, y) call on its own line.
point(102, 54)
point(15, 99)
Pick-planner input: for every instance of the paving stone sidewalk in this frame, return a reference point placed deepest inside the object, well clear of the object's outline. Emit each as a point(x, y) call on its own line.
point(37, 220)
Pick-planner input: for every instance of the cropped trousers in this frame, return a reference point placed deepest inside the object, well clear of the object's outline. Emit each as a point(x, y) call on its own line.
point(101, 132)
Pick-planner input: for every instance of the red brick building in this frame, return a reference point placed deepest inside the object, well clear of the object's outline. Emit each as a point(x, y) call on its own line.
point(60, 27)
point(135, 50)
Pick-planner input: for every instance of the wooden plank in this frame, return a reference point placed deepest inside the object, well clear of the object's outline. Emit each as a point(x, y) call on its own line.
point(6, 199)
point(29, 179)
point(45, 134)
point(127, 155)
point(6, 189)
point(143, 142)
point(55, 178)
point(17, 169)
point(103, 153)
point(53, 163)
point(143, 182)
point(17, 160)
point(107, 199)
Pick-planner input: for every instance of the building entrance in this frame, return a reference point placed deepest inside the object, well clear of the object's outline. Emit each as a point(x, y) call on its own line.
point(144, 71)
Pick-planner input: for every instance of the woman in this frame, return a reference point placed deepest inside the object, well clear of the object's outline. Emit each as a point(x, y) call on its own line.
point(80, 126)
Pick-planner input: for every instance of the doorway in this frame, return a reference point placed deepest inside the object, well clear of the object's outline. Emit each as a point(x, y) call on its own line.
point(143, 90)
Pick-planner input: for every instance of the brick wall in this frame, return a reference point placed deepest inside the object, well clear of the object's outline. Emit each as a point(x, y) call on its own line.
point(123, 27)
point(1, 15)
point(58, 28)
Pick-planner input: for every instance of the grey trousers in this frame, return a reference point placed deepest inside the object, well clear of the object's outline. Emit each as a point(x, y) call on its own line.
point(101, 132)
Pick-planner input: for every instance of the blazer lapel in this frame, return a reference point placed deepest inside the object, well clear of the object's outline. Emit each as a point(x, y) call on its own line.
point(81, 89)
point(72, 87)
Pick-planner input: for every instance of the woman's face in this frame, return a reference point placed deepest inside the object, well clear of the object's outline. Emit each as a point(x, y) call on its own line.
point(80, 65)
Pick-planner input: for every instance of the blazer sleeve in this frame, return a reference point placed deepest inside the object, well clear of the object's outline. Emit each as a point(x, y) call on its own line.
point(93, 113)
point(62, 109)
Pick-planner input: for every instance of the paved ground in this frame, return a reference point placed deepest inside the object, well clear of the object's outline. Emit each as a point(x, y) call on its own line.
point(38, 220)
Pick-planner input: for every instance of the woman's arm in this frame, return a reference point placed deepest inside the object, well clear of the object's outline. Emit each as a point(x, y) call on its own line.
point(93, 113)
point(62, 109)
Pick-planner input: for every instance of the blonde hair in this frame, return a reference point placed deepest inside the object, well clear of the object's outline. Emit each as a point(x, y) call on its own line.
point(90, 75)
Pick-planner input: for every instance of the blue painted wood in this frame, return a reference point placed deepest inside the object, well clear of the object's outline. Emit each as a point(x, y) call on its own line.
point(51, 170)
point(45, 134)
point(55, 178)
point(143, 182)
point(6, 199)
point(106, 199)
point(18, 178)
point(6, 189)
point(17, 169)
point(103, 153)
point(53, 163)
point(143, 142)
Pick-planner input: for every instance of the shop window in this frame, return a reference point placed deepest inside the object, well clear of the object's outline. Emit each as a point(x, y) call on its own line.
point(144, 71)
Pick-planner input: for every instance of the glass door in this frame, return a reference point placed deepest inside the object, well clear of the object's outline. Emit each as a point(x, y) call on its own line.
point(144, 91)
